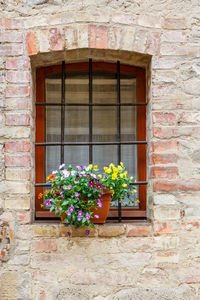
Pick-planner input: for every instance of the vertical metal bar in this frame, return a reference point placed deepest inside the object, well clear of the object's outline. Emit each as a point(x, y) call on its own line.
point(119, 132)
point(90, 112)
point(62, 114)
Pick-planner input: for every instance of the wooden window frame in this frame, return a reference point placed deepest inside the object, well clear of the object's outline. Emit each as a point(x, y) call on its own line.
point(127, 214)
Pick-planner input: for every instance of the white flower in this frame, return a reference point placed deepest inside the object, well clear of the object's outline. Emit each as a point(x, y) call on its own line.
point(55, 172)
point(66, 173)
point(61, 166)
point(73, 173)
point(87, 169)
point(93, 175)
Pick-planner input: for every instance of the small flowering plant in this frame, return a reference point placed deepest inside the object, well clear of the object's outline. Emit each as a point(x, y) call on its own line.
point(75, 193)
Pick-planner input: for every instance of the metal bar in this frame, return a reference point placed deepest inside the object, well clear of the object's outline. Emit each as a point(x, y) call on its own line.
point(90, 112)
point(135, 183)
point(90, 104)
point(91, 143)
point(62, 114)
point(119, 133)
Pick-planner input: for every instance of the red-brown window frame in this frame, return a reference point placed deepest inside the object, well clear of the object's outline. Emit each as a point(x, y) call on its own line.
point(140, 74)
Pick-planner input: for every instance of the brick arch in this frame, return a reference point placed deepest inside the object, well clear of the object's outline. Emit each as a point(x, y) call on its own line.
point(92, 36)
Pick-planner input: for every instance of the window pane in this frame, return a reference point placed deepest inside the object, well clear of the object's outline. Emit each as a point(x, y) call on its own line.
point(104, 155)
point(128, 89)
point(77, 88)
point(53, 124)
point(128, 123)
point(53, 88)
point(129, 158)
point(104, 88)
point(76, 155)
point(52, 159)
point(104, 124)
point(76, 124)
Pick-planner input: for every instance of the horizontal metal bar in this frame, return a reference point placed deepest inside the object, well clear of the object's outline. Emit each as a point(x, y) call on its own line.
point(91, 143)
point(89, 104)
point(135, 183)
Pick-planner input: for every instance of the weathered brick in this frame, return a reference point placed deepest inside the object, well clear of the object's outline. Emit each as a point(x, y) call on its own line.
point(164, 199)
point(24, 218)
point(17, 204)
point(153, 43)
point(166, 213)
point(162, 228)
point(114, 38)
point(98, 36)
point(187, 185)
point(111, 230)
point(164, 118)
point(17, 174)
point(161, 158)
point(149, 21)
point(45, 230)
point(56, 42)
point(11, 23)
point(17, 146)
point(31, 43)
point(18, 104)
point(164, 146)
point(17, 91)
point(11, 49)
point(164, 172)
point(13, 119)
point(140, 41)
point(18, 76)
point(175, 23)
point(173, 36)
point(164, 132)
point(44, 246)
point(11, 37)
point(138, 230)
point(17, 160)
point(17, 63)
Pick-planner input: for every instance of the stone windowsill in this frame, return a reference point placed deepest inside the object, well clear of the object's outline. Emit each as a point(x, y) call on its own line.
point(106, 230)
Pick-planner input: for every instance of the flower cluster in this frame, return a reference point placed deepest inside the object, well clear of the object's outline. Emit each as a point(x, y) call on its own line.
point(75, 193)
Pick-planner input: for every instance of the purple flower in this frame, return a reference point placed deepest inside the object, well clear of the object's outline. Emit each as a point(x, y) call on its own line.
point(71, 208)
point(76, 182)
point(96, 216)
point(76, 194)
point(87, 216)
point(91, 185)
point(87, 232)
point(47, 203)
point(69, 233)
point(99, 186)
point(51, 199)
point(99, 204)
point(79, 218)
point(78, 167)
point(68, 214)
point(100, 200)
point(80, 213)
point(67, 222)
point(62, 192)
point(69, 187)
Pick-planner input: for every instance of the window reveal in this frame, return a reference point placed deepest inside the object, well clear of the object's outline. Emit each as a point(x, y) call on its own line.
point(91, 113)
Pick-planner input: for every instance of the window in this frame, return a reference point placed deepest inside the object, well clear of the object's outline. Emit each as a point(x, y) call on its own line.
point(91, 112)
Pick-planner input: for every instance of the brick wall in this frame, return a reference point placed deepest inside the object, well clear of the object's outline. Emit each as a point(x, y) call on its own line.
point(158, 260)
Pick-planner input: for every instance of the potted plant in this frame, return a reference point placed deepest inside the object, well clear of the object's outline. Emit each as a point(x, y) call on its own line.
point(81, 196)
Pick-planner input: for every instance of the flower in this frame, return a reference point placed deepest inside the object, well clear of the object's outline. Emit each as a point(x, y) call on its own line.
point(40, 196)
point(79, 218)
point(71, 208)
point(87, 216)
point(51, 176)
point(95, 167)
point(99, 204)
point(69, 233)
point(47, 203)
point(61, 166)
point(68, 214)
point(76, 182)
point(124, 185)
point(46, 192)
point(66, 173)
point(133, 191)
point(96, 216)
point(90, 166)
point(121, 164)
point(76, 194)
point(87, 232)
point(99, 186)
point(55, 172)
point(69, 187)
point(80, 213)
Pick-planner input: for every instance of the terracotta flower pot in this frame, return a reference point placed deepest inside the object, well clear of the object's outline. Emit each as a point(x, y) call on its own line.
point(102, 212)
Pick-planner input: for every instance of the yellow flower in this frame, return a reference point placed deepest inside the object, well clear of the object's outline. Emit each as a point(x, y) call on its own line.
point(119, 168)
point(124, 185)
point(121, 175)
point(111, 165)
point(102, 180)
point(137, 201)
point(113, 176)
point(105, 169)
point(120, 201)
point(47, 178)
point(133, 191)
point(108, 171)
point(131, 178)
point(135, 180)
point(100, 176)
point(121, 163)
point(90, 166)
point(95, 167)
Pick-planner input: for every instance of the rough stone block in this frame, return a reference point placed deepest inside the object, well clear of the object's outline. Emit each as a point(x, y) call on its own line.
point(111, 230)
point(138, 230)
point(45, 230)
point(46, 245)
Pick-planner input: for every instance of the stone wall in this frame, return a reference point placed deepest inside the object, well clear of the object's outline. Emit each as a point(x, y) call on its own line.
point(154, 260)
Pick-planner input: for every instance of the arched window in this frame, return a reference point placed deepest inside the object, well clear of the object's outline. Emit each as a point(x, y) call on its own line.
point(91, 112)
